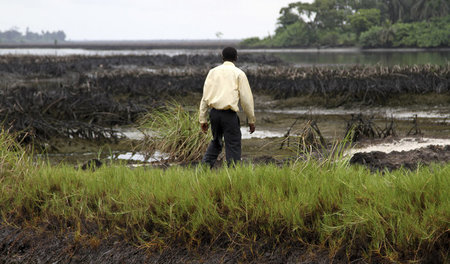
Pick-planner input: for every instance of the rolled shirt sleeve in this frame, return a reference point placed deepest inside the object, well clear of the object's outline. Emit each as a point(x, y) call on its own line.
point(203, 104)
point(203, 110)
point(246, 98)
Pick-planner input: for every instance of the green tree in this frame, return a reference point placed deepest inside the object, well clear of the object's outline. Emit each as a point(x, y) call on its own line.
point(287, 17)
point(326, 14)
point(370, 23)
point(364, 19)
point(298, 34)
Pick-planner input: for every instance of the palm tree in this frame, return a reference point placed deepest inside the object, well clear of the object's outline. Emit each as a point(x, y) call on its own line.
point(398, 10)
point(387, 35)
point(426, 9)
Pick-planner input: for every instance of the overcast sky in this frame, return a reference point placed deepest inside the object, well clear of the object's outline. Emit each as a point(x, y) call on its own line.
point(144, 19)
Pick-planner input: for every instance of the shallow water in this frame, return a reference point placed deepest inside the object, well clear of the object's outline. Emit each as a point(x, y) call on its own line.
point(93, 52)
point(134, 134)
point(157, 156)
point(404, 144)
point(298, 57)
point(440, 113)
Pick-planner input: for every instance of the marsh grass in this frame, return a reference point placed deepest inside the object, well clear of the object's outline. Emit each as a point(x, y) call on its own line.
point(399, 215)
point(175, 131)
point(14, 158)
point(308, 144)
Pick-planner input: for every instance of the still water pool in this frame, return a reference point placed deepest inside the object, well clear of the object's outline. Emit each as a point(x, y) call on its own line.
point(298, 57)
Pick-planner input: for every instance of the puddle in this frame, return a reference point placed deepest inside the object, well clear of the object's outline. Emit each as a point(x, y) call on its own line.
point(404, 144)
point(132, 133)
point(396, 113)
point(259, 133)
point(157, 156)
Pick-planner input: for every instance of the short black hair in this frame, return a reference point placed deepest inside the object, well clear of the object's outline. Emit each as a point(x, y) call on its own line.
point(229, 54)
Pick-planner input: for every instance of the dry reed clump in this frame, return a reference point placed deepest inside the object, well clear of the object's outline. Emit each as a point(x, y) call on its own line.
point(40, 114)
point(333, 86)
point(367, 84)
point(309, 144)
point(359, 127)
point(54, 66)
point(175, 131)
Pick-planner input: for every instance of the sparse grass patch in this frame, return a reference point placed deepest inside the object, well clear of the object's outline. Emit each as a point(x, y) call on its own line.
point(175, 131)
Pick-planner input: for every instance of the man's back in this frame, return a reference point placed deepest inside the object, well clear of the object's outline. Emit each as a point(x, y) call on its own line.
point(224, 86)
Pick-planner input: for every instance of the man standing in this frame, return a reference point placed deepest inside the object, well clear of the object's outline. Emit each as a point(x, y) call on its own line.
point(224, 87)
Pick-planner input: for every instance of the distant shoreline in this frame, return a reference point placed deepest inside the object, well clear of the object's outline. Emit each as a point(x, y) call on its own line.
point(144, 44)
point(197, 44)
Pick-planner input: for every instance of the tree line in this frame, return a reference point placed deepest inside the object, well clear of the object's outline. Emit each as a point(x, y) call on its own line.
point(366, 23)
point(15, 36)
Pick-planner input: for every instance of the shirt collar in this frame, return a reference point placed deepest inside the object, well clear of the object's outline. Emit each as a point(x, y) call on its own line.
point(228, 63)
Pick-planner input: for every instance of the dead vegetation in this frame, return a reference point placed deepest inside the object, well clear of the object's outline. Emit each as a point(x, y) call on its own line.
point(333, 86)
point(361, 127)
point(55, 66)
point(361, 84)
point(78, 96)
point(70, 112)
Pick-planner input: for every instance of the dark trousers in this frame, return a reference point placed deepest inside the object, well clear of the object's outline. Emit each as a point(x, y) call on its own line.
point(224, 124)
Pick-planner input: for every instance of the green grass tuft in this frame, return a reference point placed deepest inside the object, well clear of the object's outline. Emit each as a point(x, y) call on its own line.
point(175, 131)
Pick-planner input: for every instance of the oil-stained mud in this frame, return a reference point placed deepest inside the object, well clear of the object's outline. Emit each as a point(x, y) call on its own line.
point(55, 66)
point(26, 245)
point(85, 96)
point(377, 160)
point(31, 245)
point(77, 96)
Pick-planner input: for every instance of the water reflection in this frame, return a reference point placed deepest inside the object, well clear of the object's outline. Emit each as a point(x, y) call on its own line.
point(299, 57)
point(438, 114)
point(382, 57)
point(131, 156)
point(134, 134)
point(93, 52)
point(404, 144)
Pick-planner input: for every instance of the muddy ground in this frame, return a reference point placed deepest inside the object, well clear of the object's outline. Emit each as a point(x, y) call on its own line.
point(27, 245)
point(377, 160)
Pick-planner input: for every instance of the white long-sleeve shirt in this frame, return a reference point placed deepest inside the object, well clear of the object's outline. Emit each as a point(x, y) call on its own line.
point(224, 87)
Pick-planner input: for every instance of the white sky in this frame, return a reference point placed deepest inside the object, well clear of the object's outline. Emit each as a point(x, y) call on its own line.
point(144, 19)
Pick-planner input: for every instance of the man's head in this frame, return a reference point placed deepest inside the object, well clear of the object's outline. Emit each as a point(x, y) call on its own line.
point(229, 54)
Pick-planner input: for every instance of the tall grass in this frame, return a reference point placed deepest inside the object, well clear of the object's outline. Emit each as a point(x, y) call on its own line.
point(403, 213)
point(399, 215)
point(175, 131)
point(14, 159)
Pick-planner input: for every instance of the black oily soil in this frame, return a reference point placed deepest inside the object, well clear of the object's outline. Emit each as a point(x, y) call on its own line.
point(377, 160)
point(27, 245)
point(30, 246)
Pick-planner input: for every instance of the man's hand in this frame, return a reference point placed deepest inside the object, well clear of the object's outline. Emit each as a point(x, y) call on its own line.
point(204, 127)
point(252, 128)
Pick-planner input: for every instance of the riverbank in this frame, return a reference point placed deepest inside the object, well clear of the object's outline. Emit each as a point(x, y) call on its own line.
point(303, 211)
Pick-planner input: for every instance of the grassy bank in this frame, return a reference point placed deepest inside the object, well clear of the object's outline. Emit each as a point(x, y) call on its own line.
point(400, 215)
